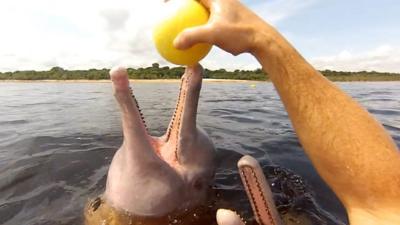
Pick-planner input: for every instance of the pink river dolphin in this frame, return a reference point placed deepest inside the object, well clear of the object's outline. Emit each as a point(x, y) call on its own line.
point(154, 176)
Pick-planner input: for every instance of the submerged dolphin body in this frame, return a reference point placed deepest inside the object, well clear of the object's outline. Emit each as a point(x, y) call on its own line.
point(155, 176)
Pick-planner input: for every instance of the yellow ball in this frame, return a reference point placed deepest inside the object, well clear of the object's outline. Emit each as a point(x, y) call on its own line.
point(186, 13)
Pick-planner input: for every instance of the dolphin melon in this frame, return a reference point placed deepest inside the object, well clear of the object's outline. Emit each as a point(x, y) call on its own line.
point(184, 14)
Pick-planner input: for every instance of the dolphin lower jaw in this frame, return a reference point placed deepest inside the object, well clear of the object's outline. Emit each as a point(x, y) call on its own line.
point(182, 130)
point(258, 191)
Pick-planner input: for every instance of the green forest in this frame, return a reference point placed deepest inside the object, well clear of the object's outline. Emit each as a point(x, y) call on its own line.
point(157, 72)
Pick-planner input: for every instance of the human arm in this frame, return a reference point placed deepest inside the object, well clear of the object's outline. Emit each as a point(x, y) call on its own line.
point(350, 149)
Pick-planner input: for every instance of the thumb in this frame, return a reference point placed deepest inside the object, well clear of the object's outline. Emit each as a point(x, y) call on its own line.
point(228, 217)
point(194, 35)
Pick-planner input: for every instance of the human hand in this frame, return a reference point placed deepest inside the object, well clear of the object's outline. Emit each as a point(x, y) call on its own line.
point(232, 27)
point(259, 194)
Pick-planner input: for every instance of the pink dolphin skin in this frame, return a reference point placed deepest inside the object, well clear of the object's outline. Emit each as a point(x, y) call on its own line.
point(259, 194)
point(155, 176)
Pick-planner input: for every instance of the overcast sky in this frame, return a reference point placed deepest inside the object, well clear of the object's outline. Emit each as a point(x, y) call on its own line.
point(81, 34)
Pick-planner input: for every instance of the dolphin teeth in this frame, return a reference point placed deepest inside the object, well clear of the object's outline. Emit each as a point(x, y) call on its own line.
point(252, 193)
point(175, 112)
point(138, 107)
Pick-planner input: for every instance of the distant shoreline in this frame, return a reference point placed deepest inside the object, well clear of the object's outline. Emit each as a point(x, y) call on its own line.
point(132, 80)
point(206, 80)
point(155, 73)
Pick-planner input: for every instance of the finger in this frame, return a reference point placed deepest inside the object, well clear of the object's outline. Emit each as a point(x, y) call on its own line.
point(228, 217)
point(258, 191)
point(206, 3)
point(194, 35)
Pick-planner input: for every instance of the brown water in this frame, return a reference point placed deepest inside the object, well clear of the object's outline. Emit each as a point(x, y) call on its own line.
point(57, 140)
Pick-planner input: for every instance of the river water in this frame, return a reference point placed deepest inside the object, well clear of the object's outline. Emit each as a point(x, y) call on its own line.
point(57, 140)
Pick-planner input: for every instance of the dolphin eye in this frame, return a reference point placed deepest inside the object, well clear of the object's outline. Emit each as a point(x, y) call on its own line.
point(198, 184)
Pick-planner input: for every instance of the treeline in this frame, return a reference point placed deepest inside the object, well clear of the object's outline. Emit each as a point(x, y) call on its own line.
point(157, 72)
point(360, 76)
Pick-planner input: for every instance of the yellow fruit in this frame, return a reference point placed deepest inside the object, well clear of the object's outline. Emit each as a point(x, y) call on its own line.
point(186, 13)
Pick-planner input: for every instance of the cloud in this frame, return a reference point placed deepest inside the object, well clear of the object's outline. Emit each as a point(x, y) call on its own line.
point(385, 58)
point(275, 11)
point(77, 34)
point(116, 18)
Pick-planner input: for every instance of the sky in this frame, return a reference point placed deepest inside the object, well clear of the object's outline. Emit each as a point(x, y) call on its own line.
point(341, 35)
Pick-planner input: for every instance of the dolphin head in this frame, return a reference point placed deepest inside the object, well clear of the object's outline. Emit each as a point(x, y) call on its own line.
point(155, 176)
